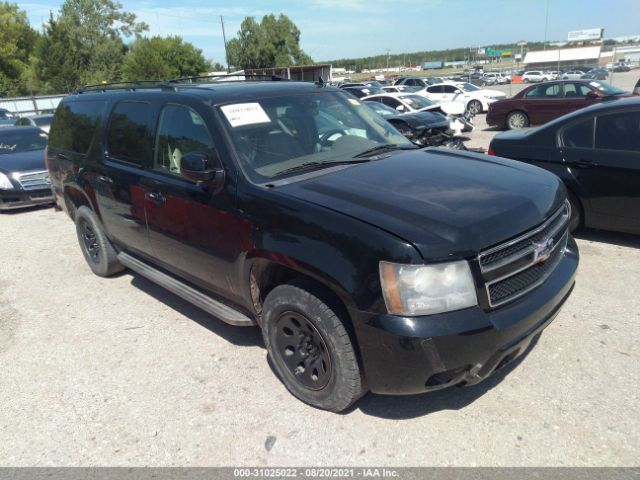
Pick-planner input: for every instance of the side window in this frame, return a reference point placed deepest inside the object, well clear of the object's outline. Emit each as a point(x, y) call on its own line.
point(544, 91)
point(181, 130)
point(390, 101)
point(584, 90)
point(579, 135)
point(449, 89)
point(129, 133)
point(75, 124)
point(411, 82)
point(618, 131)
point(437, 89)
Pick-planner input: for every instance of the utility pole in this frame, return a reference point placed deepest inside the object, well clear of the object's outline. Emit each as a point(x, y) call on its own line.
point(224, 39)
point(388, 58)
point(546, 27)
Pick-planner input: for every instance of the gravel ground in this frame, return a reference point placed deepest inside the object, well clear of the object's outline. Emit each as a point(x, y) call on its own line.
point(120, 372)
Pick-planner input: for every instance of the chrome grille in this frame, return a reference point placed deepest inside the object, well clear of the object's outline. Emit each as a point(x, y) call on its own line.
point(33, 180)
point(516, 267)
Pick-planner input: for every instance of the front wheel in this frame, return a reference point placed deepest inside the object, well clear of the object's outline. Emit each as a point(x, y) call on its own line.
point(474, 107)
point(517, 120)
point(310, 348)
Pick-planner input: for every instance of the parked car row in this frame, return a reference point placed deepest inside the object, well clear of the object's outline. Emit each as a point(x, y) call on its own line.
point(9, 119)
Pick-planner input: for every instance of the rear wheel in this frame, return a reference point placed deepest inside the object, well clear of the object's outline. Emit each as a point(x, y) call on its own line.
point(310, 348)
point(517, 119)
point(475, 107)
point(96, 247)
point(575, 222)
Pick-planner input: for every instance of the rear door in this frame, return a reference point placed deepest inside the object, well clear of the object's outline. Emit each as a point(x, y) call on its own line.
point(435, 93)
point(118, 179)
point(194, 231)
point(543, 103)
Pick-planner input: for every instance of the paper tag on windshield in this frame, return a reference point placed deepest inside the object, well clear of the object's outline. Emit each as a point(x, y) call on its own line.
point(241, 114)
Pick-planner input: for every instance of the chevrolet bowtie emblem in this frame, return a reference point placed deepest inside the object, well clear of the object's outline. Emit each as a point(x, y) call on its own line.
point(542, 250)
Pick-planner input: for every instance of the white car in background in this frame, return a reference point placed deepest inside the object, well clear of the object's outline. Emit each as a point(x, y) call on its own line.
point(475, 99)
point(411, 103)
point(534, 76)
point(572, 75)
point(400, 89)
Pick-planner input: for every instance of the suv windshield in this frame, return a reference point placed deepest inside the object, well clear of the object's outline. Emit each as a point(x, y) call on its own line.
point(606, 88)
point(274, 136)
point(16, 142)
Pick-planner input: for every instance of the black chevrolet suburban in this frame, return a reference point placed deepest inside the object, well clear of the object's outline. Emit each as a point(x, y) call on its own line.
point(368, 263)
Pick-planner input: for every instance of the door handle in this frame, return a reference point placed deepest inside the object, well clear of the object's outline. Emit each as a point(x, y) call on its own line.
point(156, 197)
point(103, 179)
point(583, 163)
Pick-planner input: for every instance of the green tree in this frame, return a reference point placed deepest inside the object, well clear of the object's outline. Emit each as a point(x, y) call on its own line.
point(17, 41)
point(163, 57)
point(83, 44)
point(274, 42)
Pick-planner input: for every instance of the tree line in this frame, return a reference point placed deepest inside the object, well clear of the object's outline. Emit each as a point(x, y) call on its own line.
point(83, 44)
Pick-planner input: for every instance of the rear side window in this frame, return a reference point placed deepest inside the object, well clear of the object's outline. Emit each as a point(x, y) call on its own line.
point(75, 124)
point(129, 133)
point(579, 135)
point(544, 91)
point(619, 131)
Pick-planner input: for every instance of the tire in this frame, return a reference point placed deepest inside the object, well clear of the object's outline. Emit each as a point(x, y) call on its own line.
point(475, 107)
point(96, 247)
point(526, 80)
point(310, 348)
point(517, 119)
point(575, 222)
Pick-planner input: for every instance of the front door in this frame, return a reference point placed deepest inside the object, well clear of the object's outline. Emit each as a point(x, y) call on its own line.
point(194, 232)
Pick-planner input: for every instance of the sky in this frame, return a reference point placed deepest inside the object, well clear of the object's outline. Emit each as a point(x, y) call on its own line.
point(333, 29)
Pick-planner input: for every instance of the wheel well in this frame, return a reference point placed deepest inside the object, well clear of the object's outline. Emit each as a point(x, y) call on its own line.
point(74, 199)
point(571, 193)
point(266, 275)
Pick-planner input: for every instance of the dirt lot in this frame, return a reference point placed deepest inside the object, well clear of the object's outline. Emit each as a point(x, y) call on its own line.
point(120, 372)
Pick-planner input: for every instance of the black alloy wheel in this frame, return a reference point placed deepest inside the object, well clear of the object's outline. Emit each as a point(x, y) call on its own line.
point(303, 350)
point(90, 242)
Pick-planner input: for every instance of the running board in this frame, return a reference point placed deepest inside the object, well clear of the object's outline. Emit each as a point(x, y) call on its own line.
point(191, 295)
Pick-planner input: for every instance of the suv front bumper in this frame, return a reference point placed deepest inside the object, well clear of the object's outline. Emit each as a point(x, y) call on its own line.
point(11, 199)
point(408, 355)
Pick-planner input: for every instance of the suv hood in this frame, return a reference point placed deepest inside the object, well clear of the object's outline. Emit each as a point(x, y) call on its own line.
point(22, 161)
point(445, 203)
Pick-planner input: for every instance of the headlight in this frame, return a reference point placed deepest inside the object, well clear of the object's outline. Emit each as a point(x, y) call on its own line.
point(412, 290)
point(5, 183)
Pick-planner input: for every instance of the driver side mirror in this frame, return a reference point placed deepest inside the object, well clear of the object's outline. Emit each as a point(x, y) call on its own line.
point(400, 108)
point(457, 91)
point(592, 95)
point(197, 167)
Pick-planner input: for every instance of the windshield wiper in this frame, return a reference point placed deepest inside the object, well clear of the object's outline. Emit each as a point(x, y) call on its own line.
point(318, 165)
point(379, 148)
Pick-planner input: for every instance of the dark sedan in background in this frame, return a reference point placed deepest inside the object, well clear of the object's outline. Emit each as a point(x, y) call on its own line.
point(544, 102)
point(24, 180)
point(596, 152)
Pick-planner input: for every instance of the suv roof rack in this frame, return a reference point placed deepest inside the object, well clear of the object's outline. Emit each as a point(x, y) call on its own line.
point(229, 77)
point(129, 86)
point(171, 84)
